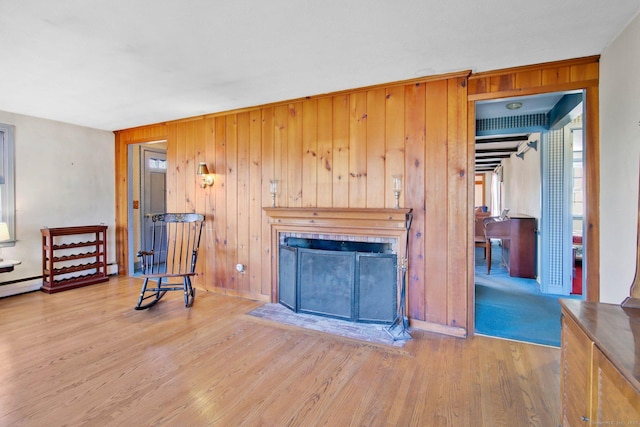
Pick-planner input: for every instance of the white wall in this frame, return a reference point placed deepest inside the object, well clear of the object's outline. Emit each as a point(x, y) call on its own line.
point(619, 156)
point(65, 176)
point(522, 185)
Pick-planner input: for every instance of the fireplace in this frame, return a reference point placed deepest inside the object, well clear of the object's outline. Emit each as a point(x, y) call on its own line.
point(340, 263)
point(349, 280)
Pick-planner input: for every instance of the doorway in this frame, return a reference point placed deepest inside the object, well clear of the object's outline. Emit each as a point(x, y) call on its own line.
point(532, 169)
point(147, 192)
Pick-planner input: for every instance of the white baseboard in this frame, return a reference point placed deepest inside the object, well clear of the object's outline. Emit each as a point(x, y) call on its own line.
point(20, 287)
point(35, 284)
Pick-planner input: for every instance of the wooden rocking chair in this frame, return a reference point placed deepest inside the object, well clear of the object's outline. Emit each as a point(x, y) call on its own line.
point(173, 255)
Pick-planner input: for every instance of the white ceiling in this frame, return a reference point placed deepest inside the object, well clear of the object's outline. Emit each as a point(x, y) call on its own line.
point(117, 64)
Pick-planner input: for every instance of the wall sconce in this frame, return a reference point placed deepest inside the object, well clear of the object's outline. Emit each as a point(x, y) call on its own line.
point(273, 189)
point(524, 148)
point(397, 188)
point(207, 178)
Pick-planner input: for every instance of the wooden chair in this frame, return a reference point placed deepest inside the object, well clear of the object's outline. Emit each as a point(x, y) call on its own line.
point(479, 234)
point(172, 256)
point(479, 237)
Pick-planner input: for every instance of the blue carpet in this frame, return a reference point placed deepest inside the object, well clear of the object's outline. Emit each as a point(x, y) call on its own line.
point(513, 308)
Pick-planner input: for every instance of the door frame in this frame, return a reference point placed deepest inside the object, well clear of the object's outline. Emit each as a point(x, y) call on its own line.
point(577, 74)
point(134, 177)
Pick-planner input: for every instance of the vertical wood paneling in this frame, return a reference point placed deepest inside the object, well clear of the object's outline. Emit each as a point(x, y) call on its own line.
point(255, 203)
point(267, 167)
point(280, 140)
point(294, 155)
point(243, 199)
point(231, 219)
point(208, 256)
point(394, 129)
point(528, 79)
point(415, 190)
point(554, 76)
point(201, 196)
point(458, 203)
point(436, 186)
point(341, 151)
point(189, 169)
point(309, 153)
point(172, 168)
point(376, 163)
point(220, 226)
point(358, 150)
point(182, 152)
point(325, 152)
point(585, 72)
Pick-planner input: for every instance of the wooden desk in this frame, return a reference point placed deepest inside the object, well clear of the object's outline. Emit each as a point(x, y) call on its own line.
point(600, 365)
point(518, 235)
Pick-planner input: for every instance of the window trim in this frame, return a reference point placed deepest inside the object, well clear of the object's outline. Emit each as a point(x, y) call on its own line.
point(7, 195)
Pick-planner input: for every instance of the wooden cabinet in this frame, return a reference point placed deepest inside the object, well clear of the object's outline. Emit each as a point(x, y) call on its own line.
point(73, 257)
point(600, 370)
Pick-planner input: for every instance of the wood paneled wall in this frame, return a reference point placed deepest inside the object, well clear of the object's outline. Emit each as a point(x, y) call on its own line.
point(341, 150)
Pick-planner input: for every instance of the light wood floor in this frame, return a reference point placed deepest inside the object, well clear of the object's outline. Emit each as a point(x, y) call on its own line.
point(85, 357)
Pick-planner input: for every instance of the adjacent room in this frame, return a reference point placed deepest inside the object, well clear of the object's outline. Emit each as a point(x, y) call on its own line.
point(312, 213)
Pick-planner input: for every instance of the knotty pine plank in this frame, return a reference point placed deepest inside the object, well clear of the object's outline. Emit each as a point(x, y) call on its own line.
point(433, 307)
point(254, 265)
point(86, 357)
point(376, 162)
point(325, 153)
point(182, 153)
point(394, 143)
point(340, 151)
point(219, 278)
point(172, 167)
point(280, 156)
point(294, 155)
point(415, 191)
point(309, 153)
point(358, 150)
point(201, 196)
point(231, 214)
point(208, 238)
point(267, 175)
point(458, 208)
point(243, 213)
point(189, 169)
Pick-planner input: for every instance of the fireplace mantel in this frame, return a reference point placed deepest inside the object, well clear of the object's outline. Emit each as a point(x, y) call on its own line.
point(353, 218)
point(370, 222)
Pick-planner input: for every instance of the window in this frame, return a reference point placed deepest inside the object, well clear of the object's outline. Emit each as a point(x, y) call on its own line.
point(157, 163)
point(7, 182)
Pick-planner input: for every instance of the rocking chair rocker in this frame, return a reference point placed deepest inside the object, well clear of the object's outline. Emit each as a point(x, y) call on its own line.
point(173, 255)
